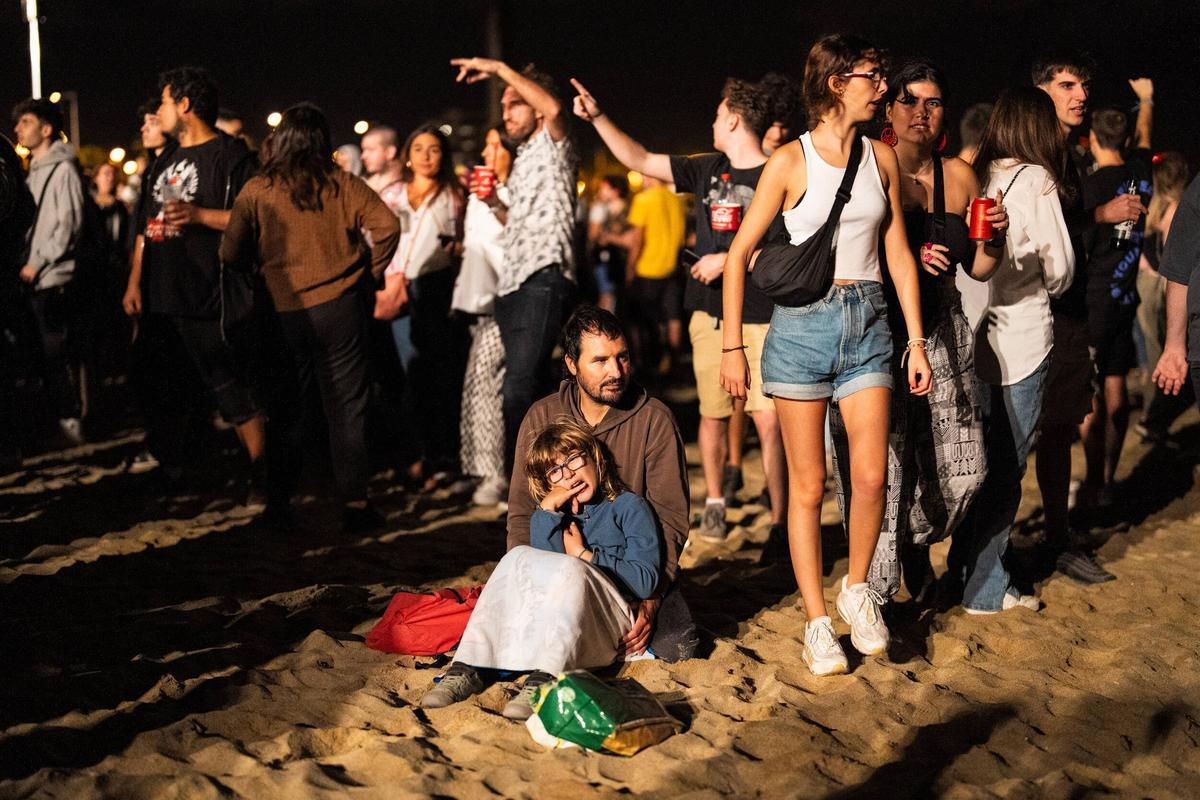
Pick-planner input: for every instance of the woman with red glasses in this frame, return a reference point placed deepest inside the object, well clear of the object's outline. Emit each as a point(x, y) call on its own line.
point(840, 346)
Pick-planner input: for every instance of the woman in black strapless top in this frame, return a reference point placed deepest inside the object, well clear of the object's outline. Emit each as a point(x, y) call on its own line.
point(936, 459)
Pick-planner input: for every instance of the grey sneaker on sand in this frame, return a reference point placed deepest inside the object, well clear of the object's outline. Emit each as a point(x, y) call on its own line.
point(459, 683)
point(521, 706)
point(712, 525)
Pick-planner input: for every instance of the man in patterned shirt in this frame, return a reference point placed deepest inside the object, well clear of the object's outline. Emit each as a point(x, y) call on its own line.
point(537, 279)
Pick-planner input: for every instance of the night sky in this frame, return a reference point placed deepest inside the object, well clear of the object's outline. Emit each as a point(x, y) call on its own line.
point(656, 67)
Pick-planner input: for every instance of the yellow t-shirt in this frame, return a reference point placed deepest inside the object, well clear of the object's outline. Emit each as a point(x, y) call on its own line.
point(659, 213)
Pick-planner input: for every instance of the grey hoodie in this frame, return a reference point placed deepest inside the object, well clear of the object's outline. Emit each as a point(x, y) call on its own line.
point(60, 218)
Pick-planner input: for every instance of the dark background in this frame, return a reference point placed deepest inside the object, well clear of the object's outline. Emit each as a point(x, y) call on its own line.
point(657, 67)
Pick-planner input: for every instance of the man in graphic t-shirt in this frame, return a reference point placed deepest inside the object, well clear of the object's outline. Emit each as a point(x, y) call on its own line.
point(174, 283)
point(1111, 299)
point(741, 120)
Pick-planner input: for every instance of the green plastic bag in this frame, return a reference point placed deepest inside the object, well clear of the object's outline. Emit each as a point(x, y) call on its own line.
point(579, 708)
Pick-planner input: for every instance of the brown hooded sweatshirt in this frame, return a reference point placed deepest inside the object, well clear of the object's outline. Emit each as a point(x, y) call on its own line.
point(641, 435)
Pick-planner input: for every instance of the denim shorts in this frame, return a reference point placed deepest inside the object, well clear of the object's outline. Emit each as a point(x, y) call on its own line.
point(833, 347)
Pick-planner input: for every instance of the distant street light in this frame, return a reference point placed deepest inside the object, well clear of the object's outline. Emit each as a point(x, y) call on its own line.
point(55, 97)
point(361, 127)
point(129, 167)
point(274, 118)
point(35, 49)
point(116, 155)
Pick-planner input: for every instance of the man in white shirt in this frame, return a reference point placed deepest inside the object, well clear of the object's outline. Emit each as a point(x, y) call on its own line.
point(537, 280)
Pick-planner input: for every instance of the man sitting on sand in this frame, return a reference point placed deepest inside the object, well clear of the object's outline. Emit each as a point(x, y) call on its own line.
point(641, 439)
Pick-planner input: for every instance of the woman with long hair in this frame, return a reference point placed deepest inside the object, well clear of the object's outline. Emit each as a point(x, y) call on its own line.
point(301, 221)
point(432, 348)
point(481, 451)
point(1023, 155)
point(838, 347)
point(936, 459)
point(1170, 178)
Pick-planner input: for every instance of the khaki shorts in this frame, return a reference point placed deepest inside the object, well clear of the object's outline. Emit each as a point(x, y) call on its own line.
point(715, 402)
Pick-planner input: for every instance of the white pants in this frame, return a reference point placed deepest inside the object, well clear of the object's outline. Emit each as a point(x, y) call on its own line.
point(545, 611)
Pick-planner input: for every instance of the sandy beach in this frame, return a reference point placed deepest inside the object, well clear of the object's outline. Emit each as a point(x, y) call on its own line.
point(161, 645)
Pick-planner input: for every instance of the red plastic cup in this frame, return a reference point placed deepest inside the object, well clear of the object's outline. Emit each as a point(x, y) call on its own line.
point(981, 227)
point(484, 179)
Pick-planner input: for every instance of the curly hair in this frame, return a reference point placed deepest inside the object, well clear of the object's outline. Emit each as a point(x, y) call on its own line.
point(197, 86)
point(748, 102)
point(558, 440)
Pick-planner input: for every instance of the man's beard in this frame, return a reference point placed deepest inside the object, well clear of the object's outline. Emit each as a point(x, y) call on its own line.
point(607, 392)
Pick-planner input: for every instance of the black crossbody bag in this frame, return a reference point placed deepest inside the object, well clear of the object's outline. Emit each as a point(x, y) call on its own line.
point(799, 274)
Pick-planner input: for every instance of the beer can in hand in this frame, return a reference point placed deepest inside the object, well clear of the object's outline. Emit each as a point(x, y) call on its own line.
point(484, 179)
point(981, 226)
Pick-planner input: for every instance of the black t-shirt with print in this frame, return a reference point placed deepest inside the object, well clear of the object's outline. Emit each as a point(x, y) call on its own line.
point(1112, 272)
point(701, 175)
point(180, 266)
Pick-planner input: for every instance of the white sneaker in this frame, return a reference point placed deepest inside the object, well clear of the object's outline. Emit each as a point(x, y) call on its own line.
point(822, 652)
point(861, 607)
point(72, 429)
point(1010, 602)
point(491, 491)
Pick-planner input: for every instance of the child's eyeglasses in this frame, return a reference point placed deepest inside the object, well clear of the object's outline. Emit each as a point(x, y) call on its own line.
point(573, 464)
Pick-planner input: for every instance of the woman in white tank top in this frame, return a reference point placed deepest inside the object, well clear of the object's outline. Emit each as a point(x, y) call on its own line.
point(838, 347)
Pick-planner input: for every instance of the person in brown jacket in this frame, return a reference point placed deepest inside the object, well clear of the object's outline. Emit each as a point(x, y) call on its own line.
point(643, 441)
point(301, 221)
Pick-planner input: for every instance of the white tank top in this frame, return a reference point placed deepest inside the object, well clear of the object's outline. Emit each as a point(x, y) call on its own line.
point(857, 239)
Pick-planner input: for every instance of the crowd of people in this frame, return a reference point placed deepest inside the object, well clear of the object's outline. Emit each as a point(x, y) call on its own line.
point(390, 295)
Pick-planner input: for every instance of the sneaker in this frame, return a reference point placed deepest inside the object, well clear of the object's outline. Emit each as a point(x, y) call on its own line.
point(459, 683)
point(712, 525)
point(521, 706)
point(731, 481)
point(1010, 602)
point(492, 491)
point(1083, 567)
point(822, 652)
point(776, 549)
point(144, 461)
point(861, 607)
point(72, 431)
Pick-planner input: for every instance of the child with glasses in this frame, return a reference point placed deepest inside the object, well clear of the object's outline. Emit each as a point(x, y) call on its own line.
point(585, 512)
point(565, 601)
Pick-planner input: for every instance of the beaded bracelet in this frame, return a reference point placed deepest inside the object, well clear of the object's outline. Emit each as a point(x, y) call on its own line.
point(912, 343)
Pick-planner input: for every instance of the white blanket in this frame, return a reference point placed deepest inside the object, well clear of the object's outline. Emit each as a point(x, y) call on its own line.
point(545, 611)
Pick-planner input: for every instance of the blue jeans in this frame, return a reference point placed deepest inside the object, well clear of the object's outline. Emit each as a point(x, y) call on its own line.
point(530, 321)
point(1010, 425)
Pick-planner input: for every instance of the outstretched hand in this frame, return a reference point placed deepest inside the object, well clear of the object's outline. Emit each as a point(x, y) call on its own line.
point(586, 107)
point(473, 70)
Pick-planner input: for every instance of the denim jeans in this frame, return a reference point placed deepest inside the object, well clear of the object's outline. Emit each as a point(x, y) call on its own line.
point(1010, 425)
point(530, 321)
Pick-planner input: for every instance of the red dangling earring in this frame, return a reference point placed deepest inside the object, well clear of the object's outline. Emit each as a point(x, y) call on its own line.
point(888, 136)
point(941, 143)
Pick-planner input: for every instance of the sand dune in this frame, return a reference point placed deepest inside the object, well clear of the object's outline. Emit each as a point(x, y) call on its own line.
point(170, 647)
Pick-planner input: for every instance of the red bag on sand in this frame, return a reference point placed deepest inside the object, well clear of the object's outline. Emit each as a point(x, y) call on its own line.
point(424, 624)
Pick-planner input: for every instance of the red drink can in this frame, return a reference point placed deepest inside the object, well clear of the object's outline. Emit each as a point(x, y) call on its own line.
point(484, 179)
point(726, 216)
point(980, 227)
